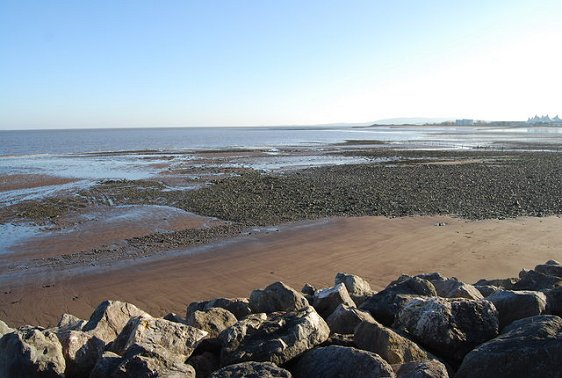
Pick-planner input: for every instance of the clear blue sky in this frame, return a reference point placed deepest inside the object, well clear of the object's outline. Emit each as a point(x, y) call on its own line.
point(125, 63)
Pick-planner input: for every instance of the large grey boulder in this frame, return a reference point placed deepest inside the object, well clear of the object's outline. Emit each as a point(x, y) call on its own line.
point(109, 318)
point(170, 340)
point(384, 305)
point(554, 301)
point(252, 370)
point(448, 327)
point(425, 369)
point(344, 319)
point(357, 287)
point(530, 347)
point(451, 287)
point(277, 297)
point(551, 268)
point(394, 348)
point(515, 305)
point(341, 362)
point(4, 329)
point(278, 338)
point(81, 351)
point(239, 307)
point(535, 281)
point(31, 352)
point(327, 300)
point(214, 320)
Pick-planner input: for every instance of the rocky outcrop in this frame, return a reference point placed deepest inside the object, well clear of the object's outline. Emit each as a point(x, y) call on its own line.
point(448, 327)
point(394, 348)
point(425, 369)
point(239, 307)
point(276, 338)
point(515, 305)
point(252, 370)
point(109, 318)
point(214, 320)
point(384, 305)
point(277, 297)
point(357, 287)
point(31, 352)
point(344, 319)
point(81, 351)
point(341, 362)
point(530, 347)
point(327, 300)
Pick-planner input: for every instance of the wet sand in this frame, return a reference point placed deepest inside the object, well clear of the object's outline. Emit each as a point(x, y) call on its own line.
point(376, 248)
point(23, 181)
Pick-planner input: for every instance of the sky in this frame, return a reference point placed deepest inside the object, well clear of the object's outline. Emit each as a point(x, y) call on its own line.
point(138, 63)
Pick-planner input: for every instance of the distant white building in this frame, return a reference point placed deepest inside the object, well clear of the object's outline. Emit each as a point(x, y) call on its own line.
point(464, 122)
point(545, 120)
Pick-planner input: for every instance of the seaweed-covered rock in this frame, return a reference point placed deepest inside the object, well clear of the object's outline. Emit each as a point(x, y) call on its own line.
point(448, 327)
point(530, 347)
point(535, 281)
point(344, 319)
point(327, 300)
point(239, 307)
point(214, 320)
point(425, 369)
point(341, 362)
point(109, 318)
point(277, 297)
point(252, 370)
point(515, 305)
point(357, 287)
point(81, 351)
point(391, 346)
point(384, 305)
point(31, 352)
point(278, 338)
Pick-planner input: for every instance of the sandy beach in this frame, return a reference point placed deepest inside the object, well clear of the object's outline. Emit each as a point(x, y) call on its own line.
point(377, 248)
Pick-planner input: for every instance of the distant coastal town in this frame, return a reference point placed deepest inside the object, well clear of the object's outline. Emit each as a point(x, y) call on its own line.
point(544, 120)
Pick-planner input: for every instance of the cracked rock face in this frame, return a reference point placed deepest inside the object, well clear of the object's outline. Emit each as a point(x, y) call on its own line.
point(277, 338)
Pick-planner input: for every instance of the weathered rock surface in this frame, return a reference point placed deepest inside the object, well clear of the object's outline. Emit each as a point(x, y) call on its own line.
point(278, 338)
point(81, 351)
point(327, 300)
point(277, 297)
point(451, 287)
point(214, 320)
point(357, 287)
point(344, 319)
point(341, 339)
point(204, 364)
point(252, 370)
point(383, 306)
point(4, 329)
point(173, 317)
point(146, 366)
point(394, 348)
point(551, 268)
point(486, 290)
point(530, 347)
point(425, 369)
point(448, 327)
point(341, 362)
point(31, 352)
point(308, 291)
point(70, 322)
point(109, 318)
point(554, 301)
point(239, 307)
point(158, 336)
point(515, 305)
point(502, 283)
point(106, 365)
point(535, 281)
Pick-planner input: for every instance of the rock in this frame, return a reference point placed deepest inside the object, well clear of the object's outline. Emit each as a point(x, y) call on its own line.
point(204, 364)
point(530, 347)
point(535, 281)
point(106, 365)
point(486, 290)
point(552, 262)
point(160, 337)
point(502, 283)
point(277, 297)
point(394, 348)
point(383, 306)
point(70, 322)
point(308, 291)
point(109, 318)
point(278, 338)
point(344, 319)
point(448, 327)
point(81, 351)
point(515, 305)
point(147, 366)
point(327, 300)
point(214, 320)
point(239, 307)
point(31, 352)
point(4, 329)
point(251, 370)
point(173, 317)
point(554, 301)
point(358, 288)
point(425, 369)
point(339, 339)
point(550, 269)
point(341, 362)
point(451, 287)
